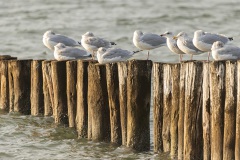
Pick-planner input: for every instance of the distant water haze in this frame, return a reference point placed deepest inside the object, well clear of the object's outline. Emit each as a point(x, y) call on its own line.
point(24, 22)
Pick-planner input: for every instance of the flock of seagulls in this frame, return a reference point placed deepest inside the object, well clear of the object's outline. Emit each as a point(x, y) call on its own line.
point(66, 48)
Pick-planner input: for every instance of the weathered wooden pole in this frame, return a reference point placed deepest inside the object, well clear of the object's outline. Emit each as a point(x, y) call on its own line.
point(19, 73)
point(193, 111)
point(237, 139)
point(47, 88)
point(82, 102)
point(175, 69)
point(206, 113)
point(230, 110)
point(59, 91)
point(4, 90)
point(71, 69)
point(98, 103)
point(158, 106)
point(4, 98)
point(122, 75)
point(113, 100)
point(37, 97)
point(138, 104)
point(181, 112)
point(217, 101)
point(167, 103)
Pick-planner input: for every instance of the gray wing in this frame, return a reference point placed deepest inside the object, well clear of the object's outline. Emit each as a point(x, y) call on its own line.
point(211, 38)
point(63, 39)
point(113, 53)
point(74, 52)
point(98, 42)
point(153, 39)
point(231, 50)
point(188, 42)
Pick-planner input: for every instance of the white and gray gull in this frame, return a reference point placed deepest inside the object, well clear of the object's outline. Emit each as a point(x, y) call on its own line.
point(185, 44)
point(92, 43)
point(204, 40)
point(110, 55)
point(220, 51)
point(172, 44)
point(148, 41)
point(50, 39)
point(62, 52)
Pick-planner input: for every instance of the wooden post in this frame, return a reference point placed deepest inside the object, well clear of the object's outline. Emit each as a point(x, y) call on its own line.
point(158, 106)
point(4, 90)
point(71, 68)
point(82, 102)
point(20, 82)
point(98, 102)
point(4, 100)
point(122, 75)
point(181, 111)
point(37, 101)
point(47, 88)
point(167, 103)
point(193, 112)
point(7, 57)
point(230, 110)
point(59, 90)
point(138, 104)
point(217, 100)
point(113, 100)
point(175, 68)
point(206, 113)
point(237, 139)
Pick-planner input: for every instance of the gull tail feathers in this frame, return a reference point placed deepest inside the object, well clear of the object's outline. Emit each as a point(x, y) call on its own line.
point(137, 51)
point(113, 43)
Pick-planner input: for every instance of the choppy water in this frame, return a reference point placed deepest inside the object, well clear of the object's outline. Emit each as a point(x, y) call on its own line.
point(22, 24)
point(28, 137)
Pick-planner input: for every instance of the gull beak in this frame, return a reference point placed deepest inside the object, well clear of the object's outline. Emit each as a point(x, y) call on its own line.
point(175, 37)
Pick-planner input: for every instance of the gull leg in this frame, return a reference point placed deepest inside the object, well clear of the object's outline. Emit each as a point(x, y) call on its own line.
point(208, 56)
point(148, 55)
point(180, 58)
point(191, 56)
point(93, 55)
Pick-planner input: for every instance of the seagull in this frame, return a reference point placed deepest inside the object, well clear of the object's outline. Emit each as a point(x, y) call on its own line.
point(148, 41)
point(92, 43)
point(50, 39)
point(220, 51)
point(172, 44)
point(110, 55)
point(204, 40)
point(185, 44)
point(63, 52)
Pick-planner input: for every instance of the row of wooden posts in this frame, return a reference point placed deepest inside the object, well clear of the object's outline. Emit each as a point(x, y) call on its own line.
point(196, 105)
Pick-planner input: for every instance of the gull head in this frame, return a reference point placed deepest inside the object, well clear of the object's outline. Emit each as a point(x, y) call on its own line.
point(89, 34)
point(167, 34)
point(180, 34)
point(59, 46)
point(199, 33)
point(137, 33)
point(217, 45)
point(48, 33)
point(101, 50)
